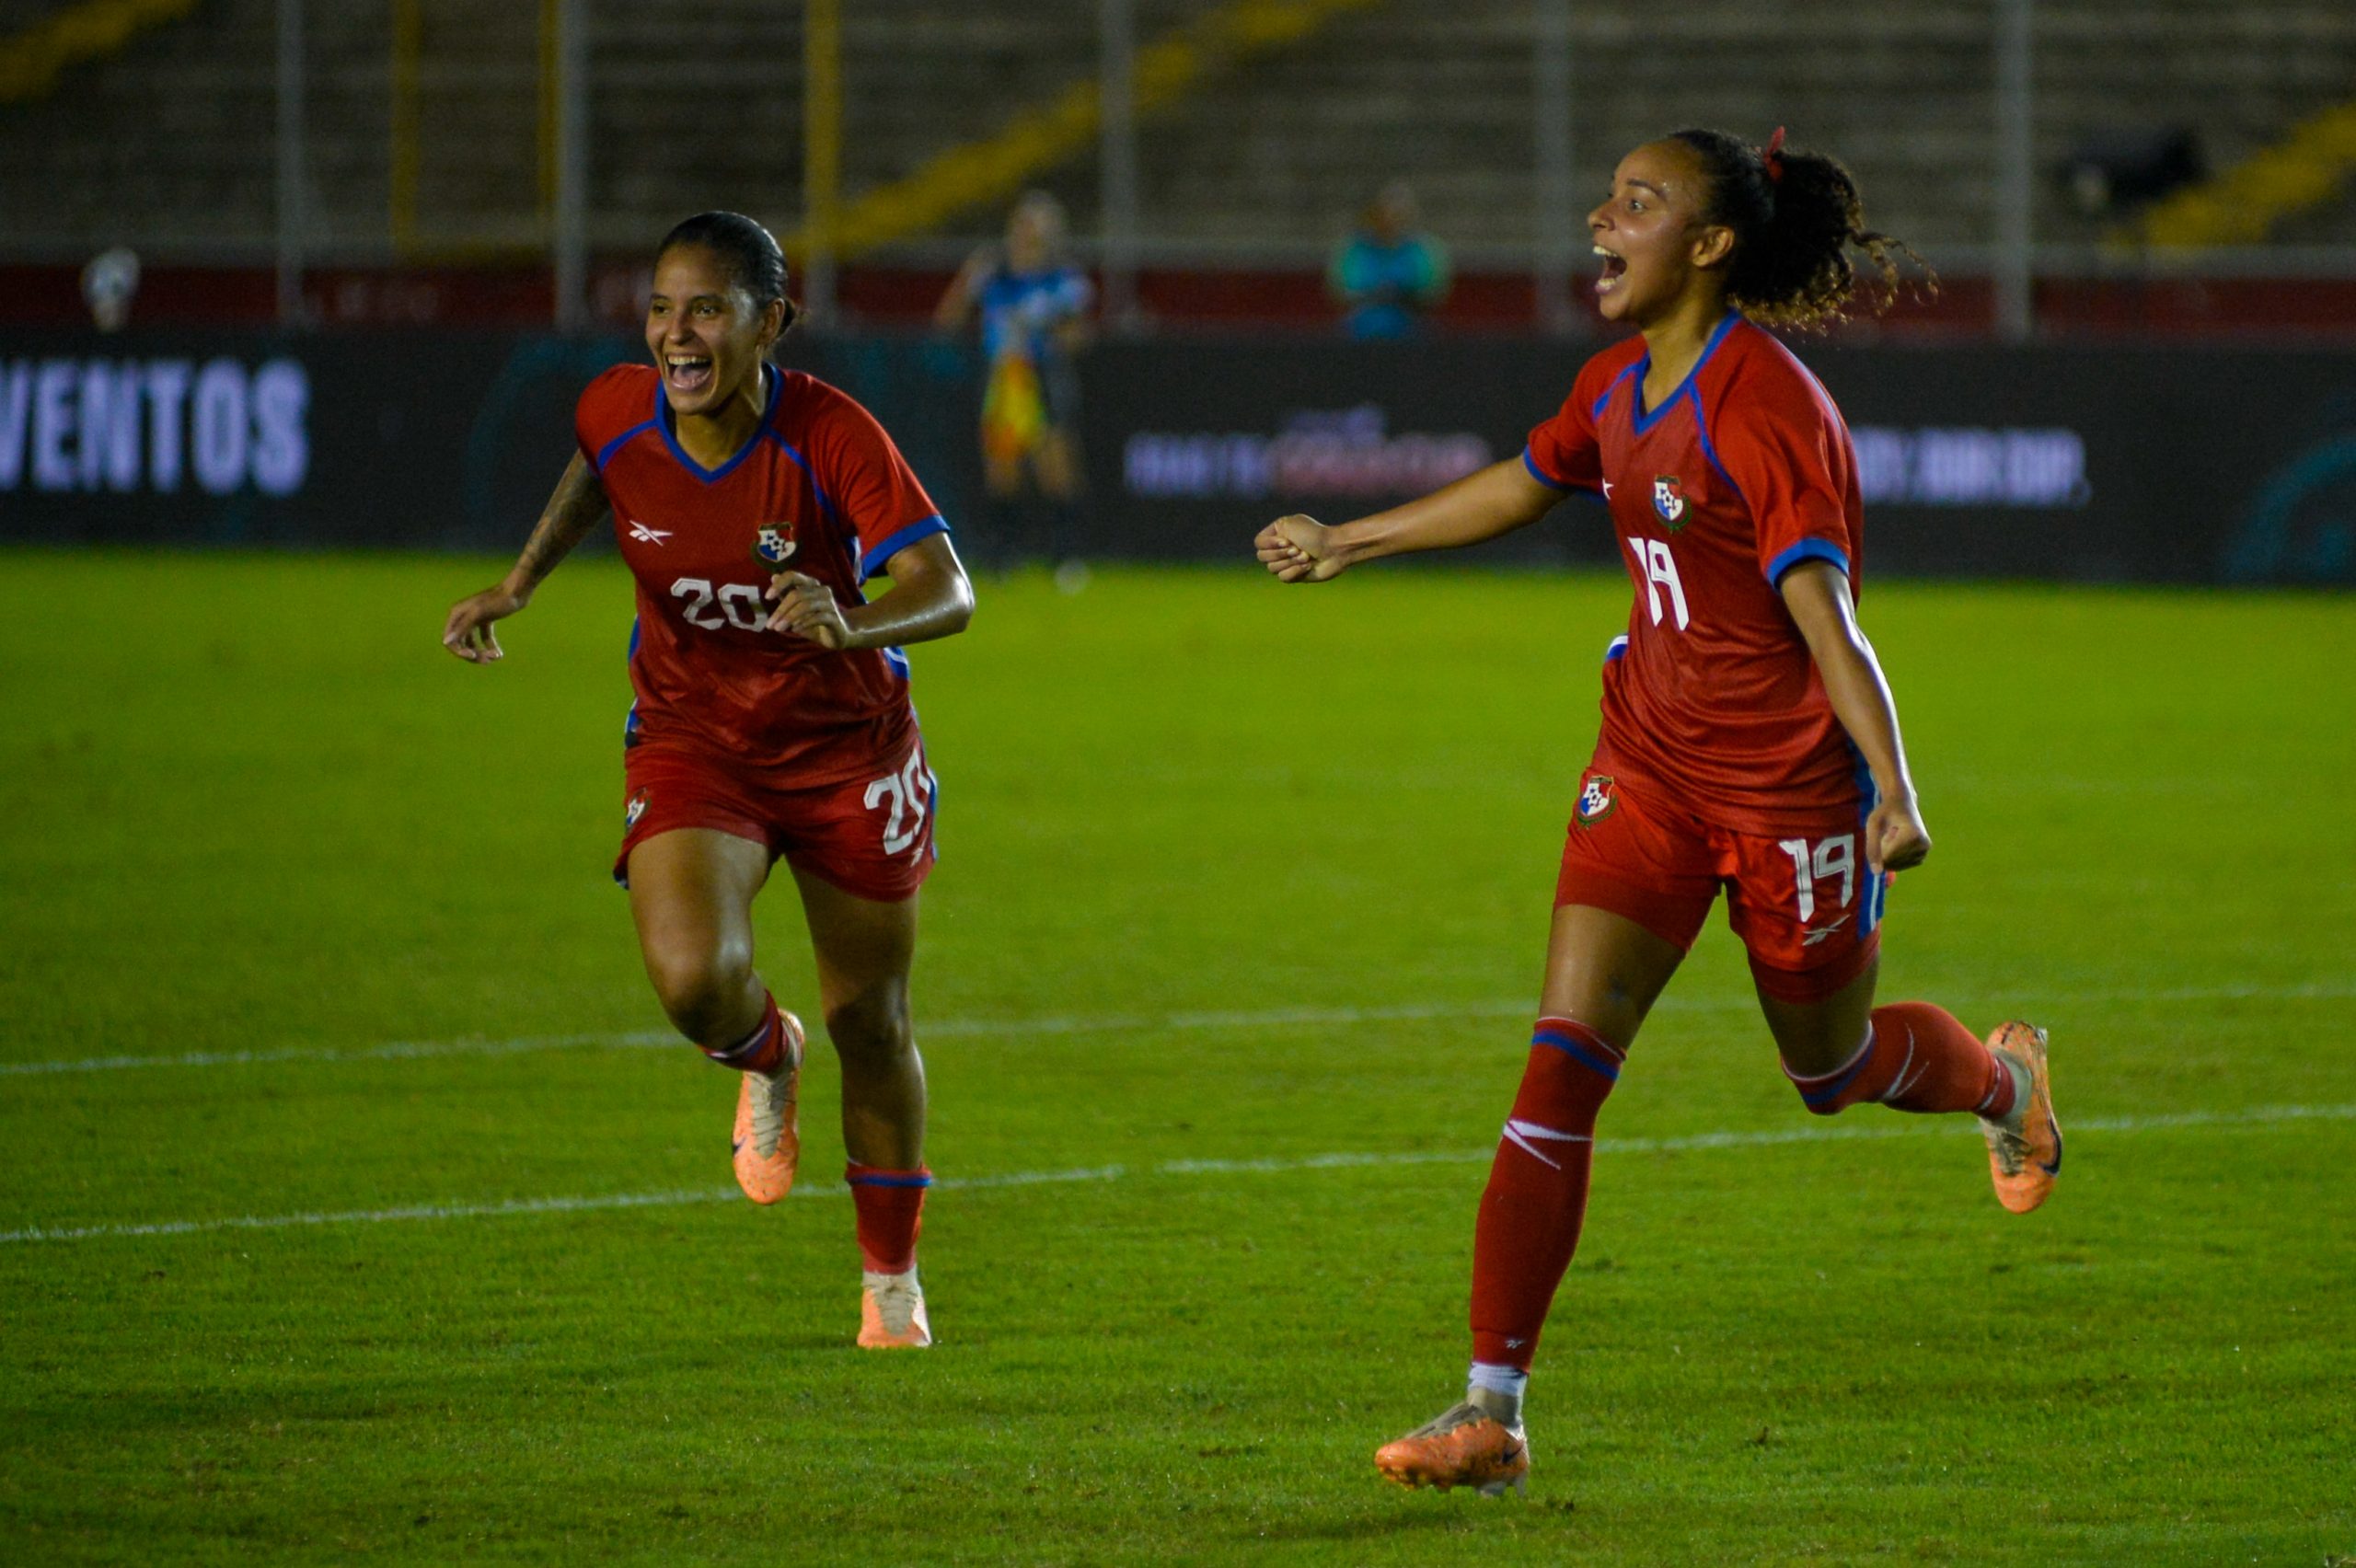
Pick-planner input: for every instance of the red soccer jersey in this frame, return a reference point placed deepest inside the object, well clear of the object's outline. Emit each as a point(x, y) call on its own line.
point(820, 489)
point(1742, 473)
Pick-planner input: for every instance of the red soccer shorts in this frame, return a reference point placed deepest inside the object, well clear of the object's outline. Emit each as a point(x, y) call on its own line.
point(871, 837)
point(1806, 906)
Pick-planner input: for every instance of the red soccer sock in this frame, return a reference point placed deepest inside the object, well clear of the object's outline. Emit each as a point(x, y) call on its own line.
point(763, 1051)
point(1536, 1200)
point(891, 1214)
point(1917, 1056)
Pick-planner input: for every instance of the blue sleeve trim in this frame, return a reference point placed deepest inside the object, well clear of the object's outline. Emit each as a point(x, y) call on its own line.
point(922, 529)
point(1807, 549)
point(1540, 475)
point(607, 451)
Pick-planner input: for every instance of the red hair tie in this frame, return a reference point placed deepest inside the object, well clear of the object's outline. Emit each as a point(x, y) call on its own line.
point(1773, 156)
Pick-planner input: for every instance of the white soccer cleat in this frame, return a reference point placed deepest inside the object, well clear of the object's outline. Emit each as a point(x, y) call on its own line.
point(891, 1312)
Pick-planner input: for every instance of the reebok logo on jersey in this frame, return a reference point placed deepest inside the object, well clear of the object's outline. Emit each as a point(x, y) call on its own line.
point(1668, 500)
point(775, 545)
point(1599, 798)
point(650, 536)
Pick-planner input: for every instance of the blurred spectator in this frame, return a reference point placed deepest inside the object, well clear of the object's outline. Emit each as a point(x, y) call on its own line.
point(2113, 170)
point(108, 284)
point(1034, 305)
point(1389, 272)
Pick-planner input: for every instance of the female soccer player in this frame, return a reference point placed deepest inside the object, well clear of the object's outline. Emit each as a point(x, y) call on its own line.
point(772, 716)
point(1035, 318)
point(1749, 738)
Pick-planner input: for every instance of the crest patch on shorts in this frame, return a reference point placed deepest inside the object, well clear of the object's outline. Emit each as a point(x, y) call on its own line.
point(1599, 798)
point(635, 810)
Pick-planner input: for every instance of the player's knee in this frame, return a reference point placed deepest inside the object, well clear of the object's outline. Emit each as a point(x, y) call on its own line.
point(702, 988)
point(873, 1024)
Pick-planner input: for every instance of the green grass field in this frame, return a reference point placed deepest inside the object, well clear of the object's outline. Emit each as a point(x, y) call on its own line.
point(354, 1206)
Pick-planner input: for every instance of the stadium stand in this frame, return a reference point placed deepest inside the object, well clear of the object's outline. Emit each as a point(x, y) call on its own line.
point(428, 122)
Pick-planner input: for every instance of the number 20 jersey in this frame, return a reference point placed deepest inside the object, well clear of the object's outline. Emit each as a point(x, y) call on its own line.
point(820, 489)
point(1741, 473)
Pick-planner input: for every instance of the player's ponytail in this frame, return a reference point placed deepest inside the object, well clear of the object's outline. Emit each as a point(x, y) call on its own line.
point(750, 252)
point(1794, 216)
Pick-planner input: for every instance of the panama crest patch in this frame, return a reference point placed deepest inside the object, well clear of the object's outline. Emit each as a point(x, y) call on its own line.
point(1668, 500)
point(1599, 798)
point(775, 545)
point(635, 810)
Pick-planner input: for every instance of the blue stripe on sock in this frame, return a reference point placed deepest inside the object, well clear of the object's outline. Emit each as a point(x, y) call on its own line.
point(1832, 1090)
point(924, 1180)
point(1577, 1051)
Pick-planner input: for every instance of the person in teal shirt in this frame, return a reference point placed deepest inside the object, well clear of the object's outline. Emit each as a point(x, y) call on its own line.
point(1389, 272)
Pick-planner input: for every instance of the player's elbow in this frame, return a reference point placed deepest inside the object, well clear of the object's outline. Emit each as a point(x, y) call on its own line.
point(957, 606)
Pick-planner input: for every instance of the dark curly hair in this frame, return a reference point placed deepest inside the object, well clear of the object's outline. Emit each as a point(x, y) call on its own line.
point(751, 253)
point(1794, 216)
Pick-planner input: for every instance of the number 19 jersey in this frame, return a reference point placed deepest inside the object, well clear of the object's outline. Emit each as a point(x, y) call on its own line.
point(1742, 473)
point(820, 489)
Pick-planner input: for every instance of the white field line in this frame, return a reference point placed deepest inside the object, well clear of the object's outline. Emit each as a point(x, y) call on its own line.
point(2255, 1116)
point(1112, 1024)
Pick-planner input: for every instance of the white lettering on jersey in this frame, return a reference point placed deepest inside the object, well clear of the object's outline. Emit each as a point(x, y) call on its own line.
point(739, 604)
point(1659, 569)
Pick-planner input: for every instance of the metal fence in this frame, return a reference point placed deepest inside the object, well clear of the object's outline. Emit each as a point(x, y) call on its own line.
point(1178, 132)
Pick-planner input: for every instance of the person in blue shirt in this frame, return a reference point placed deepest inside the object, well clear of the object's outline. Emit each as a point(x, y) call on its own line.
point(1033, 306)
point(1389, 272)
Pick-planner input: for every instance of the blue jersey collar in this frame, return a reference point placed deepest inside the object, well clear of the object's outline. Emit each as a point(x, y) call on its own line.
point(667, 423)
point(1645, 420)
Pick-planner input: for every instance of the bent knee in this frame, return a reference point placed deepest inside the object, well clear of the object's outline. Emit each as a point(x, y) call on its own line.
point(875, 1024)
point(702, 989)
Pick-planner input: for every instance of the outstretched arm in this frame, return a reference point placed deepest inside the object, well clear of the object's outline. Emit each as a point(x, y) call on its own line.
point(1817, 594)
point(957, 300)
point(1496, 500)
point(930, 598)
point(578, 505)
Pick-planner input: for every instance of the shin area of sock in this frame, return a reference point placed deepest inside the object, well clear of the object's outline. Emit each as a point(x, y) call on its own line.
point(1917, 1056)
point(890, 1209)
point(1535, 1202)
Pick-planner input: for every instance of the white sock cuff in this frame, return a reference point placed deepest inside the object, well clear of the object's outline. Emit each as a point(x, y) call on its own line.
point(1507, 1381)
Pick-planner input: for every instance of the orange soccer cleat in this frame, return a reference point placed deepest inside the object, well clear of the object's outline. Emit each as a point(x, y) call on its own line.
point(1467, 1447)
point(891, 1312)
point(767, 1141)
point(2024, 1149)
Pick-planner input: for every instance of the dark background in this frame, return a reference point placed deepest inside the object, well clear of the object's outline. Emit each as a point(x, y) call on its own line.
point(2203, 463)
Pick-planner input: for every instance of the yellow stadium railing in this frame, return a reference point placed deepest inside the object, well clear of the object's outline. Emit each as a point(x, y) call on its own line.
point(31, 60)
point(992, 169)
point(2304, 170)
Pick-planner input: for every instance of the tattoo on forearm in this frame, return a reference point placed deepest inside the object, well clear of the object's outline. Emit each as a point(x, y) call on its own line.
point(578, 505)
